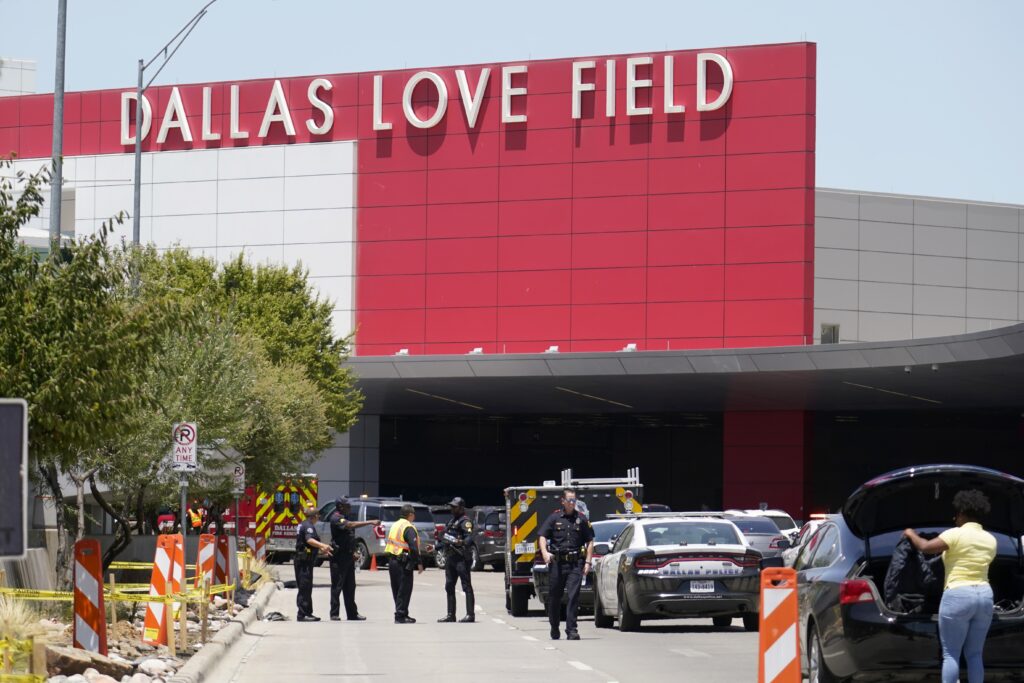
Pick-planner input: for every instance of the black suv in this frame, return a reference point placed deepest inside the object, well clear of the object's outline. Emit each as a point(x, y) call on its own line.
point(488, 536)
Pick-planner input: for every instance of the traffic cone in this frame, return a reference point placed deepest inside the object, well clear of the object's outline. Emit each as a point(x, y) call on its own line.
point(373, 563)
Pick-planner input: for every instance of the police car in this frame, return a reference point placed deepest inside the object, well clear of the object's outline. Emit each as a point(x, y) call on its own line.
point(670, 566)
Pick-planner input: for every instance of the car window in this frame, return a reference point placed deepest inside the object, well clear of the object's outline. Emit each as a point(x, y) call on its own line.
point(622, 542)
point(326, 511)
point(803, 559)
point(755, 525)
point(494, 521)
point(828, 548)
point(685, 533)
point(391, 513)
point(604, 531)
point(372, 511)
point(784, 522)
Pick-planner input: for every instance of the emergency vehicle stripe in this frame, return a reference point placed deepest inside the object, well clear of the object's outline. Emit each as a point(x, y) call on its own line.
point(531, 495)
point(521, 534)
point(628, 500)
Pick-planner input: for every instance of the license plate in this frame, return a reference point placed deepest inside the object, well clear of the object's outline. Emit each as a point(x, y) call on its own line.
point(524, 548)
point(702, 586)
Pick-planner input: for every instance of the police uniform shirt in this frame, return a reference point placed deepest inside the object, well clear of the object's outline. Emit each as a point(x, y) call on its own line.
point(461, 529)
point(567, 532)
point(303, 535)
point(341, 534)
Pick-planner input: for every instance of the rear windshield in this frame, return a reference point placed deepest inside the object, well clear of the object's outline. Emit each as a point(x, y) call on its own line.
point(439, 517)
point(756, 525)
point(496, 520)
point(604, 531)
point(782, 521)
point(684, 533)
point(390, 513)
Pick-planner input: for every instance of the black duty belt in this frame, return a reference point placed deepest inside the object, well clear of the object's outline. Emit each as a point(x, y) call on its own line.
point(571, 556)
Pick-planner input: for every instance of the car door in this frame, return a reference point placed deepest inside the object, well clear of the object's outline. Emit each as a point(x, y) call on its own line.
point(608, 577)
point(820, 553)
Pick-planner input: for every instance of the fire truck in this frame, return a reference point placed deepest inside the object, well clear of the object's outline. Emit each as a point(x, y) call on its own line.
point(276, 512)
point(526, 508)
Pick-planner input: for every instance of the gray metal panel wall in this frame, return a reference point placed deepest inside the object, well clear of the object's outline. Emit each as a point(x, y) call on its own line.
point(891, 267)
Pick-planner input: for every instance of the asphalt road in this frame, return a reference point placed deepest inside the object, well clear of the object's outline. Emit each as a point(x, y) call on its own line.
point(497, 648)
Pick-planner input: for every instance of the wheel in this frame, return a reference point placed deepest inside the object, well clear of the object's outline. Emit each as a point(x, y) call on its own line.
point(601, 620)
point(817, 669)
point(751, 622)
point(520, 601)
point(362, 555)
point(721, 622)
point(474, 560)
point(628, 620)
point(440, 559)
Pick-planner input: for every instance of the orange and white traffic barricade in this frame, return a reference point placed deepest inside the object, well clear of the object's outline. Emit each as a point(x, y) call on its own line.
point(205, 559)
point(90, 630)
point(779, 651)
point(220, 571)
point(161, 583)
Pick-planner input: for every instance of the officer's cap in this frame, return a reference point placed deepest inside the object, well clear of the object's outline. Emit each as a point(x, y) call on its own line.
point(341, 500)
point(457, 502)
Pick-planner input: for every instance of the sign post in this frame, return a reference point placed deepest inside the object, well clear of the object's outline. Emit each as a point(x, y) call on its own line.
point(238, 489)
point(184, 460)
point(13, 489)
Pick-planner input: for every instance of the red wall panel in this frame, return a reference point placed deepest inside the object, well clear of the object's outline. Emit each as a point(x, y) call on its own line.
point(667, 230)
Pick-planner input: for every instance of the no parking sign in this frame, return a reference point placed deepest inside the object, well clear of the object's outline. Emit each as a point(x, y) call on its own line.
point(183, 440)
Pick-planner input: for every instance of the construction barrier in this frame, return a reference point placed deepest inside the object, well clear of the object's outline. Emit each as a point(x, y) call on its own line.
point(161, 584)
point(90, 627)
point(190, 597)
point(205, 559)
point(779, 651)
point(220, 572)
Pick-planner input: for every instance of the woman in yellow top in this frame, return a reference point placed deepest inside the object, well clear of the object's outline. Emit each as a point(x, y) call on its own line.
point(965, 612)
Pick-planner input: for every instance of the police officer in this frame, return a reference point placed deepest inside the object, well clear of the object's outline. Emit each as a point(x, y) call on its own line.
point(458, 544)
point(403, 551)
point(307, 544)
point(567, 545)
point(343, 575)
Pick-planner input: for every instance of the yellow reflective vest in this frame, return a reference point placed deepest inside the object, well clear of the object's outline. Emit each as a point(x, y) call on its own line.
point(396, 544)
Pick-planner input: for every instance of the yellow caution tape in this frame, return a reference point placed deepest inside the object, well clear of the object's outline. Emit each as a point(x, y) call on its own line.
point(27, 594)
point(22, 678)
point(10, 644)
point(139, 565)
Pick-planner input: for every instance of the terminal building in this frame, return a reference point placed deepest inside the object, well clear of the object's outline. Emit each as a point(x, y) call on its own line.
point(597, 262)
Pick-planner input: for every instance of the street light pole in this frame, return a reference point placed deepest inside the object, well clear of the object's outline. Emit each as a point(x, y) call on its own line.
point(176, 42)
point(58, 124)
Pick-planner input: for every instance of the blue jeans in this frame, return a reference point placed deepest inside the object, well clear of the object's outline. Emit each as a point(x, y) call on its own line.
point(965, 615)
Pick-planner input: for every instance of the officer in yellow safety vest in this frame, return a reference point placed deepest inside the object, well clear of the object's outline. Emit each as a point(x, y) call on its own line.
point(403, 551)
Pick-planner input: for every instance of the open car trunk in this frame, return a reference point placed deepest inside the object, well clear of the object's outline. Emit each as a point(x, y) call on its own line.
point(1005, 576)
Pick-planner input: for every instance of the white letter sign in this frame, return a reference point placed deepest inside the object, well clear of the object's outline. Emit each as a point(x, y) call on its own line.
point(147, 117)
point(702, 81)
point(508, 92)
point(442, 99)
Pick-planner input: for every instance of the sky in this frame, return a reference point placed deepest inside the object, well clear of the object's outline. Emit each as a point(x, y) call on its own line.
point(913, 97)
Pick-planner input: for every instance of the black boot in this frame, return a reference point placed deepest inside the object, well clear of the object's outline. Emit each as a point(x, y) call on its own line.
point(450, 617)
point(468, 619)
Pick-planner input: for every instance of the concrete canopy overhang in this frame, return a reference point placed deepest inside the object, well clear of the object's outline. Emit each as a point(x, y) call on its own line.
point(982, 370)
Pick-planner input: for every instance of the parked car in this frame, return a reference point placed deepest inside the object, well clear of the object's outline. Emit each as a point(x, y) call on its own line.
point(675, 567)
point(762, 533)
point(781, 518)
point(790, 554)
point(370, 540)
point(846, 626)
point(605, 532)
point(488, 536)
point(442, 515)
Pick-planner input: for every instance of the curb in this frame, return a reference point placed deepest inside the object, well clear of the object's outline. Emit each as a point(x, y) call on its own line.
point(201, 663)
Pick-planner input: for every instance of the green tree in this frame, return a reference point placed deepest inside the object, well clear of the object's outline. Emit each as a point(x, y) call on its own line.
point(69, 344)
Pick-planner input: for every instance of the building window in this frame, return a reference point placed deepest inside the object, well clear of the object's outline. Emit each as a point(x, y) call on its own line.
point(829, 333)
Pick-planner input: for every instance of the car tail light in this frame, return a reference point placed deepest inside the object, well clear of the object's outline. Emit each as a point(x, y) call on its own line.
point(748, 560)
point(854, 591)
point(774, 545)
point(492, 534)
point(649, 562)
point(378, 531)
